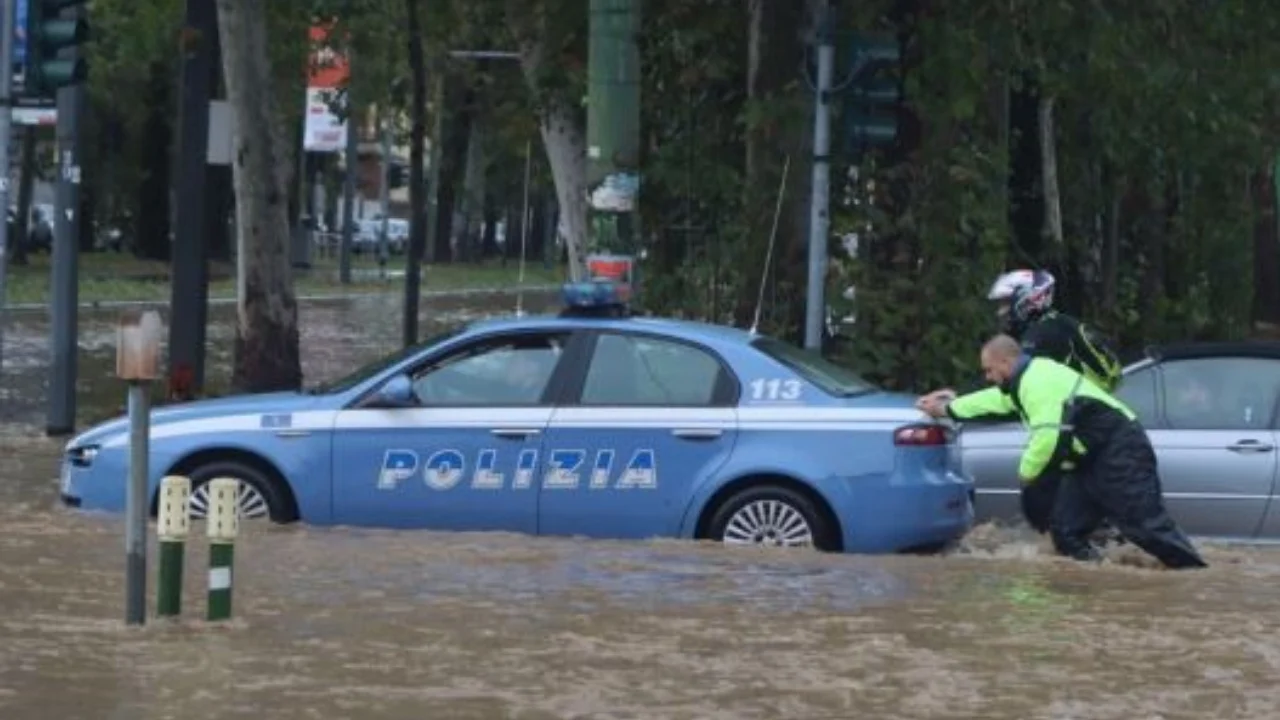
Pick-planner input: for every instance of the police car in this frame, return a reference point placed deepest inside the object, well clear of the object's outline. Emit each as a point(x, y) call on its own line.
point(590, 423)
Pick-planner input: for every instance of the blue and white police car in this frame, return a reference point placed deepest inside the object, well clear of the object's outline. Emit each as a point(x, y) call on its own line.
point(587, 424)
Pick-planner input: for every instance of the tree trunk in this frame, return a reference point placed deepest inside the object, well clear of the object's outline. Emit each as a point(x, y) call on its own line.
point(417, 186)
point(26, 182)
point(561, 121)
point(219, 216)
point(455, 134)
point(473, 191)
point(266, 348)
point(776, 37)
point(1049, 175)
point(1111, 240)
point(153, 219)
point(563, 129)
point(1266, 247)
point(489, 236)
point(565, 140)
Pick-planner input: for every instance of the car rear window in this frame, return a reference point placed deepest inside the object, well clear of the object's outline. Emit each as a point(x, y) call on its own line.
point(830, 377)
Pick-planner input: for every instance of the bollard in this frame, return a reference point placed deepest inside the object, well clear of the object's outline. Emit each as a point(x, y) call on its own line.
point(222, 525)
point(137, 362)
point(173, 527)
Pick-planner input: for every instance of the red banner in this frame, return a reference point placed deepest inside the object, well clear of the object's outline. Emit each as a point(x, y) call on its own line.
point(329, 67)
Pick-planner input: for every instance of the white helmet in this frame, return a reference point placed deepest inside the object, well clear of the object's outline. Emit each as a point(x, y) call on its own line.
point(1023, 295)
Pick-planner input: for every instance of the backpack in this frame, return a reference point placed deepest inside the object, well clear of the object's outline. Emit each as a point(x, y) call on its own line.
point(1097, 357)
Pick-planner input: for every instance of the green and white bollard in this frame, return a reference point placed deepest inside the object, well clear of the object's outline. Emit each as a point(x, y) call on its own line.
point(173, 527)
point(222, 525)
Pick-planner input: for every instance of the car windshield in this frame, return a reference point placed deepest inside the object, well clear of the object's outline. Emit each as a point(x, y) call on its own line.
point(347, 382)
point(831, 378)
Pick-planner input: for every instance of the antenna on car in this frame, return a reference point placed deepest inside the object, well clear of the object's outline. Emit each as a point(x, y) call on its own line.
point(524, 229)
point(773, 237)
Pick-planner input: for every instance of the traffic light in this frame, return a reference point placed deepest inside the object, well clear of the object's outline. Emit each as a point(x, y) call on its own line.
point(871, 108)
point(48, 32)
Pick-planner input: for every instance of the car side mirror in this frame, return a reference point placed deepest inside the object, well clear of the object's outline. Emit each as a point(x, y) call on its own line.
point(397, 392)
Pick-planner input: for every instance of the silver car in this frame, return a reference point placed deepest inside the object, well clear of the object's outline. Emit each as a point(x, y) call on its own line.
point(1210, 411)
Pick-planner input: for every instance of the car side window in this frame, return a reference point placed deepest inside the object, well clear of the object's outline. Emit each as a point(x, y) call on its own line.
point(632, 370)
point(1220, 393)
point(504, 371)
point(1139, 392)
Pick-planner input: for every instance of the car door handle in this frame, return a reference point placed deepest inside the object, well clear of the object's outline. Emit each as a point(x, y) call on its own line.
point(697, 433)
point(1251, 446)
point(515, 433)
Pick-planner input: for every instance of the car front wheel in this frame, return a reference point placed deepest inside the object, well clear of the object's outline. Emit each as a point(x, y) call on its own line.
point(261, 497)
point(771, 515)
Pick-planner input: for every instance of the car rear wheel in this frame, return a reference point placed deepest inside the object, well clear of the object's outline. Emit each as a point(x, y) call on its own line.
point(771, 515)
point(260, 498)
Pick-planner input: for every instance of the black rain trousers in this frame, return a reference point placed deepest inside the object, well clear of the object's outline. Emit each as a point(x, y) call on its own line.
point(1118, 481)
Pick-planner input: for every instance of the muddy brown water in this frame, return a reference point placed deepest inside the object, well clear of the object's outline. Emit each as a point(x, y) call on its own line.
point(344, 623)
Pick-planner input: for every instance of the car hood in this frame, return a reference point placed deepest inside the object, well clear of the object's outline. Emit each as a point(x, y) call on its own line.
point(277, 402)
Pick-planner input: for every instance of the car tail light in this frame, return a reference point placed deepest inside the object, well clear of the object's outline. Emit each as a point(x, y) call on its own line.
point(920, 435)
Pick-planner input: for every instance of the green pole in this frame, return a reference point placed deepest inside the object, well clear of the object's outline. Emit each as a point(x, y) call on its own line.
point(173, 527)
point(613, 125)
point(222, 525)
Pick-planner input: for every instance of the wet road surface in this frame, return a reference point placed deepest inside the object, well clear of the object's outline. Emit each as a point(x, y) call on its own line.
point(342, 623)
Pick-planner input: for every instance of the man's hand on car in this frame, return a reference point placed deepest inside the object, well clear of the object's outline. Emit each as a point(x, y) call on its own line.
point(935, 403)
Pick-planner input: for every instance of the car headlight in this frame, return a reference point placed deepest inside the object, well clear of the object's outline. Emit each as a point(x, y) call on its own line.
point(83, 455)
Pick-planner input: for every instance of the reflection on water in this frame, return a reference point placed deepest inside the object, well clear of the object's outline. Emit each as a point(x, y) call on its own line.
point(368, 624)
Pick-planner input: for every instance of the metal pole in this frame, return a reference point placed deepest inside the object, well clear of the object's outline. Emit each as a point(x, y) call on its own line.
point(613, 125)
point(61, 419)
point(6, 127)
point(352, 157)
point(136, 506)
point(384, 194)
point(189, 289)
point(819, 219)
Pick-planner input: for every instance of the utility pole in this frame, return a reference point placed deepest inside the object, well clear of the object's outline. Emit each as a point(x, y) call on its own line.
point(189, 291)
point(819, 209)
point(6, 126)
point(613, 124)
point(61, 419)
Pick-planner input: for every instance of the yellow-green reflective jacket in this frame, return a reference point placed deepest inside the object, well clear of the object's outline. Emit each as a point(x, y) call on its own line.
point(1043, 393)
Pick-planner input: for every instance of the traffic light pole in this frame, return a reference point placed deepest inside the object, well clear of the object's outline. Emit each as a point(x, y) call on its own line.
point(189, 290)
point(65, 274)
point(6, 128)
point(819, 209)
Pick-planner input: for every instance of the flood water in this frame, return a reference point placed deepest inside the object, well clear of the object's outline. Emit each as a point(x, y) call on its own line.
point(339, 623)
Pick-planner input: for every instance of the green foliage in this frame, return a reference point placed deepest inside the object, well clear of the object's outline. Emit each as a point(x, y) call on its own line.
point(1163, 114)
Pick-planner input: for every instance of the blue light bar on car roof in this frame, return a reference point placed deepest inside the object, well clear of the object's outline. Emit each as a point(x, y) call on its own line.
point(596, 294)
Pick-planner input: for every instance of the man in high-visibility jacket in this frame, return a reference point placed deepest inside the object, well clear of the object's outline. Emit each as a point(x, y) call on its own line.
point(1070, 419)
point(1025, 306)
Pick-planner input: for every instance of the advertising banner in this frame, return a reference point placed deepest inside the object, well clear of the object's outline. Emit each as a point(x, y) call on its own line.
point(323, 131)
